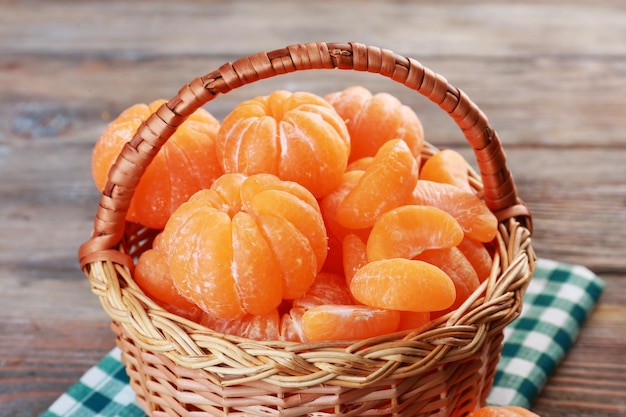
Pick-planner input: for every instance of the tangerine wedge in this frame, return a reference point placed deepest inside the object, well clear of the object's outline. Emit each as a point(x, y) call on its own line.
point(354, 256)
point(152, 274)
point(403, 284)
point(386, 183)
point(291, 325)
point(458, 268)
point(347, 322)
point(477, 221)
point(407, 231)
point(412, 320)
point(326, 289)
point(360, 164)
point(478, 255)
point(372, 120)
point(447, 166)
point(255, 327)
point(296, 136)
point(331, 202)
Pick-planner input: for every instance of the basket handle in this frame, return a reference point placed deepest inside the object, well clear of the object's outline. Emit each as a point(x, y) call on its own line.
point(499, 189)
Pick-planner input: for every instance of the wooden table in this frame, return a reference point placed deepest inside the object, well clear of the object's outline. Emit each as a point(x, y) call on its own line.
point(550, 74)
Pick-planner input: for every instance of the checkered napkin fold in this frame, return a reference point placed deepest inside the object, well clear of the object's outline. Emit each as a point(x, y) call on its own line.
point(558, 300)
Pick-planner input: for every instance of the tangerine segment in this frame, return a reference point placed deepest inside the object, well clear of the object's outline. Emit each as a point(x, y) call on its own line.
point(449, 167)
point(292, 252)
point(295, 136)
point(326, 289)
point(372, 120)
point(152, 274)
point(407, 231)
point(330, 203)
point(334, 259)
point(347, 322)
point(228, 187)
point(458, 268)
point(291, 326)
point(478, 255)
point(360, 164)
point(255, 327)
point(186, 163)
point(304, 217)
point(254, 268)
point(411, 320)
point(354, 256)
point(477, 221)
point(385, 184)
point(403, 284)
point(261, 182)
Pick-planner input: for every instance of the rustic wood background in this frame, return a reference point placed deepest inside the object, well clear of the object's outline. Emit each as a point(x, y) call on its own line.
point(551, 76)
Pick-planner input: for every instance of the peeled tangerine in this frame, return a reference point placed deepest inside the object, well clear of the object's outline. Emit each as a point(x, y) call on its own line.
point(296, 136)
point(186, 163)
point(374, 119)
point(245, 244)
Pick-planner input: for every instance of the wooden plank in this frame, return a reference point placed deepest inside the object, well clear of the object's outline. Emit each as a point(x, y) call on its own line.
point(547, 101)
point(453, 28)
point(43, 358)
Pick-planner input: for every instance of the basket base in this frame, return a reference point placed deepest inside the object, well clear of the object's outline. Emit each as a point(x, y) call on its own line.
point(165, 389)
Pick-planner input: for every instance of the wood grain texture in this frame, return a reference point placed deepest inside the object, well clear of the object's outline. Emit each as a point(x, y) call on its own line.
point(550, 75)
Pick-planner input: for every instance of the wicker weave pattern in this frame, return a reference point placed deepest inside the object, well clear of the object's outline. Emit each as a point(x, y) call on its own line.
point(179, 368)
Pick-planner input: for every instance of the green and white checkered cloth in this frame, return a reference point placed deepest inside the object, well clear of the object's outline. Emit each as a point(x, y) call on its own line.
point(559, 299)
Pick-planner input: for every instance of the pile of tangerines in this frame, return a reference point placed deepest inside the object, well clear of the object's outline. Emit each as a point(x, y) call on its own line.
point(305, 218)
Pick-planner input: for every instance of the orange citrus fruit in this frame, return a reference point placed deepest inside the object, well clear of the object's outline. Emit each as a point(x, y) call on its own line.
point(291, 325)
point(412, 320)
point(373, 120)
point(478, 255)
point(403, 284)
point(407, 231)
point(386, 183)
point(326, 289)
point(458, 268)
point(331, 202)
point(467, 208)
point(186, 163)
point(334, 258)
point(360, 164)
point(256, 327)
point(296, 136)
point(152, 274)
point(246, 254)
point(447, 166)
point(354, 255)
point(347, 322)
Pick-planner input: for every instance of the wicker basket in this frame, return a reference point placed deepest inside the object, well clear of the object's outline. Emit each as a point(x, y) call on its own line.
point(179, 368)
